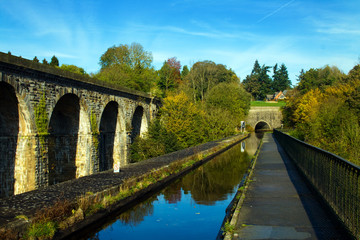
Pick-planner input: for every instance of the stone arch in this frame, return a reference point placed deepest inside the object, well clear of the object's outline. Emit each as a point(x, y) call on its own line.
point(262, 126)
point(139, 123)
point(63, 129)
point(107, 129)
point(9, 131)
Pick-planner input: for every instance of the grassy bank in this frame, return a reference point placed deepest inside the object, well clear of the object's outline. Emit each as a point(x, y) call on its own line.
point(267, 104)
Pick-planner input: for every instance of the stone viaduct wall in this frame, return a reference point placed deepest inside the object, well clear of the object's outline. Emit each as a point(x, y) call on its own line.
point(56, 125)
point(264, 117)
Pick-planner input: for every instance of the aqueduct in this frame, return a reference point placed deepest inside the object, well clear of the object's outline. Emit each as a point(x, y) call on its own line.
point(56, 125)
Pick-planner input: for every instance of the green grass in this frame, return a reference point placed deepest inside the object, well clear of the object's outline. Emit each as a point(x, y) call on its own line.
point(267, 104)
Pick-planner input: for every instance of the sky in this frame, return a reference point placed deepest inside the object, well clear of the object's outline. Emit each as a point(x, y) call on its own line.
point(302, 34)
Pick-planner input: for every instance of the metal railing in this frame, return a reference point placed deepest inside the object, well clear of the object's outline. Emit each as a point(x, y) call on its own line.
point(336, 179)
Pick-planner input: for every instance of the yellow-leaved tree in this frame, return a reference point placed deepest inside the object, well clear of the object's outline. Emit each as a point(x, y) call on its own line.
point(184, 119)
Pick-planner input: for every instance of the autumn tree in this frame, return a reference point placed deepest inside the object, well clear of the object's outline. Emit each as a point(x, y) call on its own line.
point(318, 78)
point(325, 111)
point(184, 119)
point(169, 75)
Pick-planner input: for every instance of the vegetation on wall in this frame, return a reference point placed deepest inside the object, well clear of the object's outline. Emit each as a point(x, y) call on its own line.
point(95, 132)
point(41, 120)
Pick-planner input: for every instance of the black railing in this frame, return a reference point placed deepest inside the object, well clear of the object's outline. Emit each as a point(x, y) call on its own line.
point(336, 179)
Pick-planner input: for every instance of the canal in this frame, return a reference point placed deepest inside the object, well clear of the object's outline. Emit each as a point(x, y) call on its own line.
point(192, 207)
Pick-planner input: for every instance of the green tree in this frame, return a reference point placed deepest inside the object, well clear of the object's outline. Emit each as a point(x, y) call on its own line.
point(205, 75)
point(319, 78)
point(54, 61)
point(169, 75)
point(133, 56)
point(185, 71)
point(258, 83)
point(281, 79)
point(36, 59)
point(128, 66)
point(230, 96)
point(73, 68)
point(45, 62)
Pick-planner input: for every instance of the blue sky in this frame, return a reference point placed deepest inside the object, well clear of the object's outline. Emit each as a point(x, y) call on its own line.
point(299, 33)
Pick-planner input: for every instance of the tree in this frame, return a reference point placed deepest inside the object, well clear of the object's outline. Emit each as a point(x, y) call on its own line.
point(54, 61)
point(36, 59)
point(230, 96)
point(205, 75)
point(185, 71)
point(169, 75)
point(45, 62)
point(128, 66)
point(258, 83)
point(281, 79)
point(133, 56)
point(73, 68)
point(319, 78)
point(182, 118)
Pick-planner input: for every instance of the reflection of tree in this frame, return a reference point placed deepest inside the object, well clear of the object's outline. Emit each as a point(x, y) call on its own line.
point(172, 194)
point(252, 142)
point(214, 180)
point(136, 215)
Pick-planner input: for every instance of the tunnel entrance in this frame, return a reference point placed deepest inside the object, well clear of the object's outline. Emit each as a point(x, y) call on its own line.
point(9, 130)
point(107, 136)
point(138, 123)
point(63, 129)
point(262, 127)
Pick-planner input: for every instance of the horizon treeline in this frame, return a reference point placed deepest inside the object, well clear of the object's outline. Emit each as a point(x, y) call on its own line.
point(207, 101)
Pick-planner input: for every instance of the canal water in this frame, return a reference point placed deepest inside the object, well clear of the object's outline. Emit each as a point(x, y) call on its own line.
point(192, 207)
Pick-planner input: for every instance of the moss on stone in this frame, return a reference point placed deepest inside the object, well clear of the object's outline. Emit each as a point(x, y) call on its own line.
point(95, 132)
point(41, 120)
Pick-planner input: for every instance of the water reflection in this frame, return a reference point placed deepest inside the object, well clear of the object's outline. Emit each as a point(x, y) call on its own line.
point(192, 207)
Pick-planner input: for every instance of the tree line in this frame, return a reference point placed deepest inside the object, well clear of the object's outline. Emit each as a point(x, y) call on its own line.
point(200, 103)
point(260, 84)
point(324, 110)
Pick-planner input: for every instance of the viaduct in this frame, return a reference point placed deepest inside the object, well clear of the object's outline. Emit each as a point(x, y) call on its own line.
point(56, 125)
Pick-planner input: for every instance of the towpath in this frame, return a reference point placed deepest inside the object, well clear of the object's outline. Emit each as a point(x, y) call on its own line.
point(280, 205)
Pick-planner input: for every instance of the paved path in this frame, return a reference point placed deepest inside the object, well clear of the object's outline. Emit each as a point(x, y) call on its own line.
point(279, 205)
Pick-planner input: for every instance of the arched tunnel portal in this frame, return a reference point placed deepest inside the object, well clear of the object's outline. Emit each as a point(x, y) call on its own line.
point(262, 126)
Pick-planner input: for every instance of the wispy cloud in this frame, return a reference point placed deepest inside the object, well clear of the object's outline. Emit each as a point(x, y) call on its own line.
point(210, 33)
point(275, 11)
